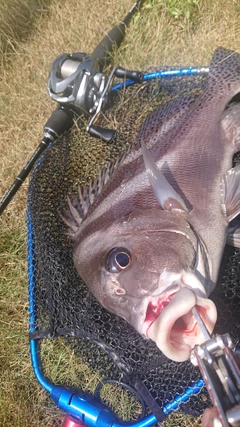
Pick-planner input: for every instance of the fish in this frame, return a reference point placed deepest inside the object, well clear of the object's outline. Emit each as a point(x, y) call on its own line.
point(149, 232)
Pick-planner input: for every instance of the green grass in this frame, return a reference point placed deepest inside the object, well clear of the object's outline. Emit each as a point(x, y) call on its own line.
point(32, 34)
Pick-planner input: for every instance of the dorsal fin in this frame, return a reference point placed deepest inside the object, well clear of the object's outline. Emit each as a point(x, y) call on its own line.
point(223, 78)
point(79, 204)
point(88, 195)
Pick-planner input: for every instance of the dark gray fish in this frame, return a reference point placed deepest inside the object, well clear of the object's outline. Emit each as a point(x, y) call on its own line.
point(149, 233)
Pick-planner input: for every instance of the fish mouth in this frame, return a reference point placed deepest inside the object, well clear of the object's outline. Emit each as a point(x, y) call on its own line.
point(155, 307)
point(171, 324)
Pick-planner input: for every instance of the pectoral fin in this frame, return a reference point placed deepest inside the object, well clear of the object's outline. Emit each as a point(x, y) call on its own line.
point(230, 190)
point(231, 124)
point(168, 198)
point(233, 233)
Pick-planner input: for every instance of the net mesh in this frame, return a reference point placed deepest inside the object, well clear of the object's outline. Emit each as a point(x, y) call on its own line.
point(63, 304)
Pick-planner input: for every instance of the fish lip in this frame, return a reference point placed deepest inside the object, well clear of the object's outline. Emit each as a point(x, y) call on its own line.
point(164, 293)
point(187, 329)
point(175, 287)
point(175, 330)
point(186, 279)
point(157, 304)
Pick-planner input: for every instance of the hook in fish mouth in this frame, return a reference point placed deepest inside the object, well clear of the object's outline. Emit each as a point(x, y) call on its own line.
point(170, 323)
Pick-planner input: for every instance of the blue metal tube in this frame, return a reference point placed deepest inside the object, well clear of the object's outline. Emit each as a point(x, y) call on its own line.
point(34, 346)
point(37, 369)
point(179, 72)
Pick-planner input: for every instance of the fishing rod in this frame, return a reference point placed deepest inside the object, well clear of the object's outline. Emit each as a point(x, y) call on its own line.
point(76, 83)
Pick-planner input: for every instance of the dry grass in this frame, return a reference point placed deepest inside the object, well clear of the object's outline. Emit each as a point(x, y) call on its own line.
point(32, 34)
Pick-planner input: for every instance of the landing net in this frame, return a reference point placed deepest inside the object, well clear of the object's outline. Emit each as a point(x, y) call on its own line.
point(63, 305)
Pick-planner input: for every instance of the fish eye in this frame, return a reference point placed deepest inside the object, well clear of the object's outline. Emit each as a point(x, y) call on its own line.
point(118, 259)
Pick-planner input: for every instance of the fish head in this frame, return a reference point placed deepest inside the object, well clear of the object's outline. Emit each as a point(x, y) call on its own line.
point(143, 267)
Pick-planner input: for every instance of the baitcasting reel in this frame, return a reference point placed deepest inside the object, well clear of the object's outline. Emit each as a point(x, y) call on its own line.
point(76, 83)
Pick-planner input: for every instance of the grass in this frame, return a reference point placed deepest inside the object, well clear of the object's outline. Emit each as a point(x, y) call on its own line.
point(32, 34)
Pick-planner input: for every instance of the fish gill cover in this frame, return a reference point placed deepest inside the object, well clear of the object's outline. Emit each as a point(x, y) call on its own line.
point(64, 305)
